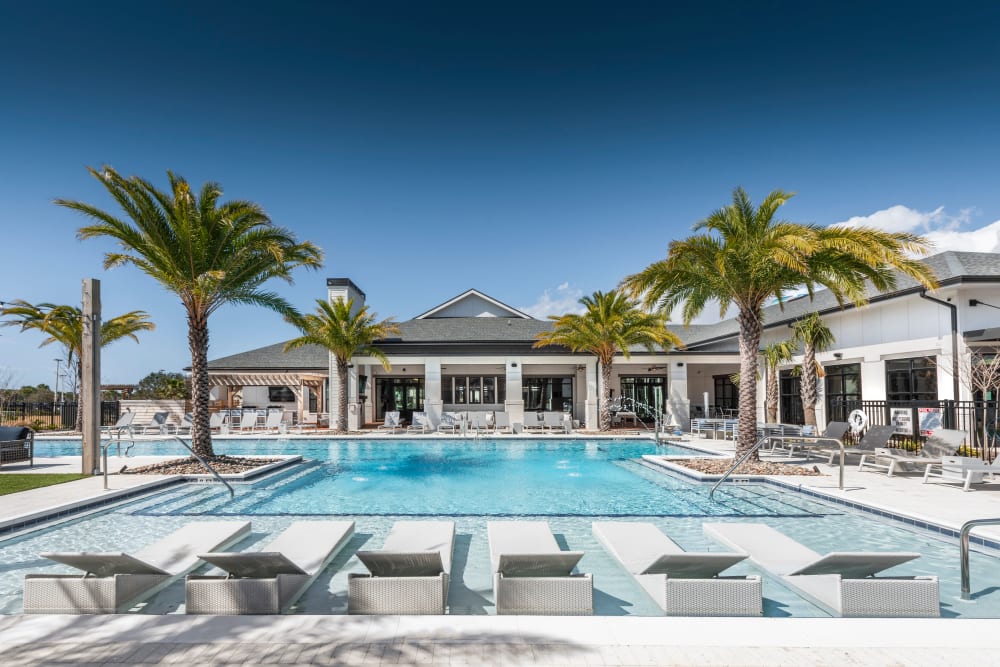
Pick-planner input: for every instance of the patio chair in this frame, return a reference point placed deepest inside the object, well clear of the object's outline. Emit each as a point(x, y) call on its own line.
point(683, 583)
point(421, 424)
point(554, 421)
point(115, 582)
point(501, 422)
point(531, 575)
point(874, 438)
point(789, 440)
point(17, 444)
point(844, 583)
point(273, 421)
point(532, 422)
point(450, 422)
point(216, 420)
point(391, 422)
point(933, 451)
point(248, 421)
point(187, 423)
point(124, 425)
point(409, 575)
point(271, 580)
point(964, 470)
point(157, 424)
point(479, 421)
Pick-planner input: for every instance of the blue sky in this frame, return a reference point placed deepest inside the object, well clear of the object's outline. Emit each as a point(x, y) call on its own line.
point(533, 151)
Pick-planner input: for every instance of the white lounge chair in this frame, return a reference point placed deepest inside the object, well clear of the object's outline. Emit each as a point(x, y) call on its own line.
point(409, 575)
point(874, 438)
point(248, 422)
point(788, 440)
point(932, 452)
point(501, 422)
point(531, 575)
point(273, 421)
point(450, 422)
point(391, 422)
point(964, 470)
point(158, 424)
point(421, 424)
point(271, 580)
point(187, 423)
point(683, 583)
point(478, 421)
point(116, 581)
point(215, 421)
point(844, 583)
point(122, 426)
point(531, 421)
point(554, 421)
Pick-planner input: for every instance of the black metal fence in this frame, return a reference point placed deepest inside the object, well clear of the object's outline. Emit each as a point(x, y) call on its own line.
point(41, 416)
point(915, 419)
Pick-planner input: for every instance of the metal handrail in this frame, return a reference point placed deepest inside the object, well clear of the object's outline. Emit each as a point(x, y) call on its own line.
point(963, 541)
point(203, 462)
point(736, 465)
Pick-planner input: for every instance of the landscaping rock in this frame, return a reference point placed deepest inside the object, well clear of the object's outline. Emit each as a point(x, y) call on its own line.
point(224, 465)
point(720, 466)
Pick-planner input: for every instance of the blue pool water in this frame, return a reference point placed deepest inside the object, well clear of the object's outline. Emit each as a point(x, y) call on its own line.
point(569, 484)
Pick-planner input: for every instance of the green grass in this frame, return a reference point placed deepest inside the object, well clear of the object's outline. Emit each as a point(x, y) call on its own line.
point(15, 482)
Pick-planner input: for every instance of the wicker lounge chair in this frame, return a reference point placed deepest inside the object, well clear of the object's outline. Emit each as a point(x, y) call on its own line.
point(409, 575)
point(116, 581)
point(268, 581)
point(682, 583)
point(932, 452)
point(843, 583)
point(532, 575)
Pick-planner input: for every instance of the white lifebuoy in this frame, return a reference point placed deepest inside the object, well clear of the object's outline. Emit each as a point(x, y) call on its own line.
point(857, 420)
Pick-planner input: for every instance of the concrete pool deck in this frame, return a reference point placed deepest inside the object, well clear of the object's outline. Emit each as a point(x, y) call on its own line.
point(492, 640)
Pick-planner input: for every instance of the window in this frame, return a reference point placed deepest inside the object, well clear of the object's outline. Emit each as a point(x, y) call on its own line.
point(843, 385)
point(547, 393)
point(472, 389)
point(726, 393)
point(911, 379)
point(790, 398)
point(646, 392)
point(280, 395)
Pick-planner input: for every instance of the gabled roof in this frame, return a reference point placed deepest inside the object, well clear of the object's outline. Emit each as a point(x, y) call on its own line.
point(469, 298)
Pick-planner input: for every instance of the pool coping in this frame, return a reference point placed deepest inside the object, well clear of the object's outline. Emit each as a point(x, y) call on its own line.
point(914, 520)
point(74, 508)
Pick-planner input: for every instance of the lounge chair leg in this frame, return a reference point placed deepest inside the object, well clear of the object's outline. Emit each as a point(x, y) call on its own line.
point(861, 464)
point(968, 481)
point(892, 467)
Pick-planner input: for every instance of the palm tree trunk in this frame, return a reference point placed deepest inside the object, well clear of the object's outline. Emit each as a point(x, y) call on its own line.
point(807, 388)
point(201, 433)
point(772, 395)
point(342, 395)
point(604, 417)
point(746, 431)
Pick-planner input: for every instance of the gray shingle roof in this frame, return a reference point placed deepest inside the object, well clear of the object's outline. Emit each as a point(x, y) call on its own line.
point(519, 334)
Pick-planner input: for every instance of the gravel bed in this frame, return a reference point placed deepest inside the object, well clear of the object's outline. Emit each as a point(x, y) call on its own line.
point(225, 465)
point(718, 467)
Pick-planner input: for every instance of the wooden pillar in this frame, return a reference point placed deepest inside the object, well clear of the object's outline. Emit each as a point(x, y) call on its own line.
point(90, 392)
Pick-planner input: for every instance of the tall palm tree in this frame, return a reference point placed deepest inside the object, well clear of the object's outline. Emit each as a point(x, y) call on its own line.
point(775, 354)
point(746, 256)
point(815, 337)
point(345, 336)
point(612, 324)
point(64, 325)
point(207, 253)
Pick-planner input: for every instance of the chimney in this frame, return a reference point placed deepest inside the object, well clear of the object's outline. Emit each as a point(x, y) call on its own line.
point(344, 289)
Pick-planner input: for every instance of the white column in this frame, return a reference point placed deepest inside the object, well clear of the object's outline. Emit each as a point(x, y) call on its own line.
point(353, 404)
point(592, 423)
point(873, 379)
point(368, 408)
point(678, 403)
point(432, 390)
point(514, 400)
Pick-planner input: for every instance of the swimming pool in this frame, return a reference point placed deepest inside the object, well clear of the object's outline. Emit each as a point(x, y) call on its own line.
point(567, 483)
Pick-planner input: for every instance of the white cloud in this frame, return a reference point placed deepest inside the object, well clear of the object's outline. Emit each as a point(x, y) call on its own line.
point(560, 301)
point(943, 230)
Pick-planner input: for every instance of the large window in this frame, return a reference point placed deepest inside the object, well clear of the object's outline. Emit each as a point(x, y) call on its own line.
point(646, 393)
point(911, 379)
point(790, 398)
point(473, 389)
point(843, 384)
point(401, 394)
point(726, 393)
point(547, 393)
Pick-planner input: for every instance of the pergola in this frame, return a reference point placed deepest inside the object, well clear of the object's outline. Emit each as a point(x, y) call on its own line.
point(294, 381)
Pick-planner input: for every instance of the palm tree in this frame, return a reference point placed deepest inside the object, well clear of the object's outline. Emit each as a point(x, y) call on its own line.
point(64, 325)
point(345, 335)
point(747, 256)
point(775, 354)
point(207, 253)
point(612, 324)
point(815, 337)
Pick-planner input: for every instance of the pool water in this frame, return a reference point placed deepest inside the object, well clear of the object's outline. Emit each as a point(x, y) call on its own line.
point(567, 483)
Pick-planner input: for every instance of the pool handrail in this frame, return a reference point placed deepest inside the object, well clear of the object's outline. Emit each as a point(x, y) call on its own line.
point(232, 493)
point(963, 541)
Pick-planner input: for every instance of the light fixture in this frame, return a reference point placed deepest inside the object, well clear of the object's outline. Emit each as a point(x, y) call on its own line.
point(972, 302)
point(838, 355)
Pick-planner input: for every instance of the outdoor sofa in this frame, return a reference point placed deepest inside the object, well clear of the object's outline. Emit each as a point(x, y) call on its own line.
point(17, 445)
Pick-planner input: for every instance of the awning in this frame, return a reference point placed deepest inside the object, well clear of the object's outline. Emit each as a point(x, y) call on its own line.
point(982, 335)
point(265, 380)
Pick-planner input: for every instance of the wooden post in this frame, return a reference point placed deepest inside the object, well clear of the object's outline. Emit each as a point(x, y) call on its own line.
point(90, 392)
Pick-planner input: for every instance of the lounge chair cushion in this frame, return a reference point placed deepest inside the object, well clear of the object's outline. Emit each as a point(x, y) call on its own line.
point(254, 565)
point(854, 565)
point(693, 565)
point(558, 564)
point(402, 564)
point(104, 564)
point(9, 433)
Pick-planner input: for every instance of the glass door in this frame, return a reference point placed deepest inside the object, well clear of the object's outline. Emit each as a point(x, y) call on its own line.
point(647, 393)
point(404, 395)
